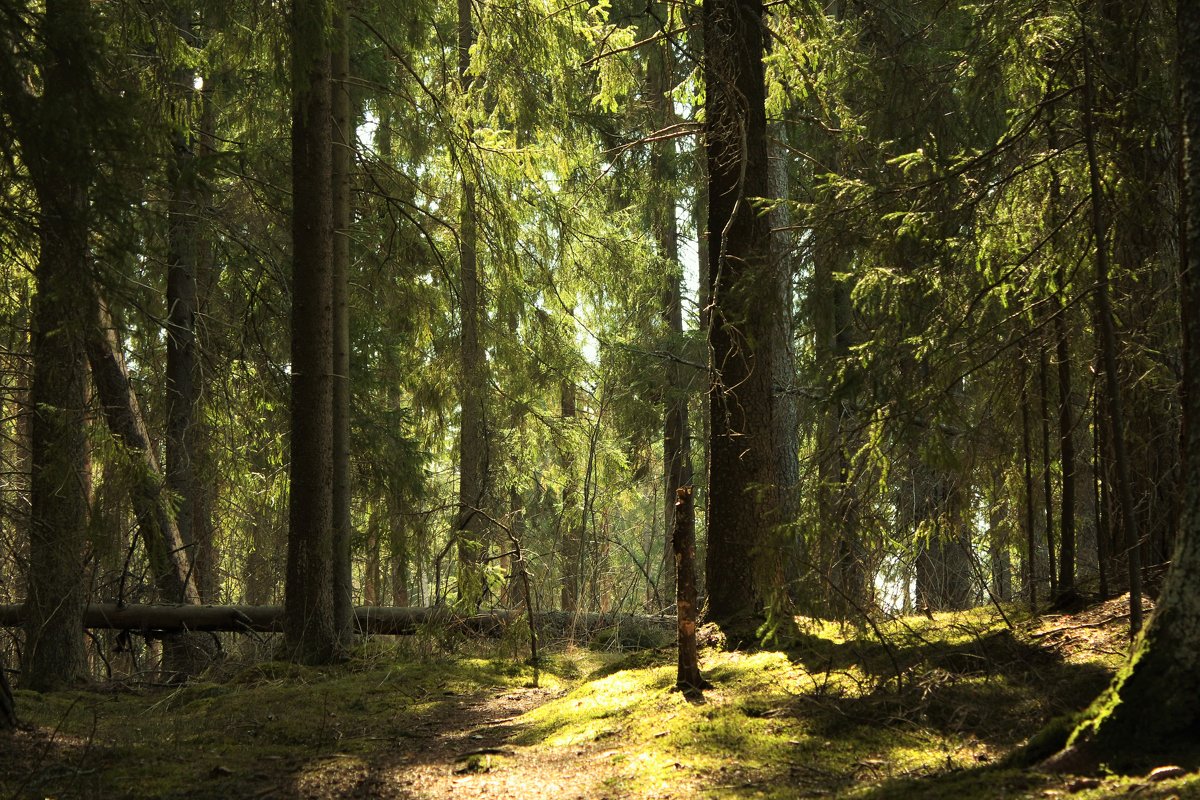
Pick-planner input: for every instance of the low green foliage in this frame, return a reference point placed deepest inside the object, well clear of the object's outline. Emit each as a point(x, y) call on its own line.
point(823, 718)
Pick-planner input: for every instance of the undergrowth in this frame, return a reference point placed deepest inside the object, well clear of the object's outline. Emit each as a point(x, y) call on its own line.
point(916, 708)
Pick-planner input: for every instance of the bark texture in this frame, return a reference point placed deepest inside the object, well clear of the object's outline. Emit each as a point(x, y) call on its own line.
point(677, 456)
point(341, 155)
point(471, 526)
point(165, 547)
point(311, 634)
point(56, 148)
point(743, 502)
point(683, 543)
point(1151, 712)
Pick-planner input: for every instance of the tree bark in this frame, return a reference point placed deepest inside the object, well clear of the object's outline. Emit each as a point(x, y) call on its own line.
point(1150, 713)
point(1027, 458)
point(1047, 481)
point(569, 533)
point(54, 133)
point(677, 465)
point(1066, 426)
point(683, 544)
point(184, 245)
point(471, 527)
point(341, 154)
point(743, 501)
point(1108, 350)
point(165, 547)
point(8, 706)
point(311, 633)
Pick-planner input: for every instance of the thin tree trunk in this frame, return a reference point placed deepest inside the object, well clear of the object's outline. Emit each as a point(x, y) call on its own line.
point(1047, 486)
point(183, 248)
point(471, 528)
point(1108, 349)
point(1027, 456)
point(572, 547)
point(8, 706)
point(683, 543)
point(676, 440)
point(371, 576)
point(1066, 427)
point(165, 547)
point(341, 154)
point(1098, 484)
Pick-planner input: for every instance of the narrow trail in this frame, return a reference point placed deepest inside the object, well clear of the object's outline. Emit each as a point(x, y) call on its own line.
point(463, 751)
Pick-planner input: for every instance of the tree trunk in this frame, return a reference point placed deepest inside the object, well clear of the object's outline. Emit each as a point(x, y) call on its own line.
point(1047, 485)
point(341, 154)
point(677, 465)
point(185, 205)
point(8, 706)
point(54, 132)
point(372, 579)
point(1103, 549)
point(311, 634)
point(571, 547)
point(1108, 350)
point(471, 527)
point(785, 440)
point(1027, 457)
point(1066, 426)
point(683, 544)
point(743, 501)
point(1150, 713)
point(165, 547)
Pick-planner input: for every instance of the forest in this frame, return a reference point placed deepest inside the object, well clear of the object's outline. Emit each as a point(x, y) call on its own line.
point(599, 399)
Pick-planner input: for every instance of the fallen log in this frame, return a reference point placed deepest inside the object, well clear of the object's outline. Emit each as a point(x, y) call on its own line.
point(374, 620)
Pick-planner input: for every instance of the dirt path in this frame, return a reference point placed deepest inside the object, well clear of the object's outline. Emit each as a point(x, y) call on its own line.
point(465, 751)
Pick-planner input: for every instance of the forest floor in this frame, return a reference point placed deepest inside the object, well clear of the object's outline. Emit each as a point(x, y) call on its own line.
point(921, 709)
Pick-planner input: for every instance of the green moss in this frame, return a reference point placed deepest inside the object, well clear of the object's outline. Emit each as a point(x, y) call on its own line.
point(824, 718)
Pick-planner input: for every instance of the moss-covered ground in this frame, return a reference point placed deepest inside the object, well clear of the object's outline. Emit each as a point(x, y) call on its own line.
point(921, 708)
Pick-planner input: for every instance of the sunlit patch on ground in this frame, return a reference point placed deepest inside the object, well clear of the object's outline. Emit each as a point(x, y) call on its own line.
point(918, 708)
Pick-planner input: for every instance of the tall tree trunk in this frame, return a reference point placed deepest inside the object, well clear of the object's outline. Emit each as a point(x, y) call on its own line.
point(677, 465)
point(1047, 484)
point(186, 248)
point(167, 551)
point(1027, 458)
point(785, 440)
point(1066, 425)
point(398, 542)
point(1103, 560)
point(341, 154)
point(1108, 350)
point(54, 132)
point(471, 527)
point(683, 544)
point(1150, 713)
point(371, 573)
point(311, 635)
point(569, 534)
point(998, 539)
point(743, 501)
